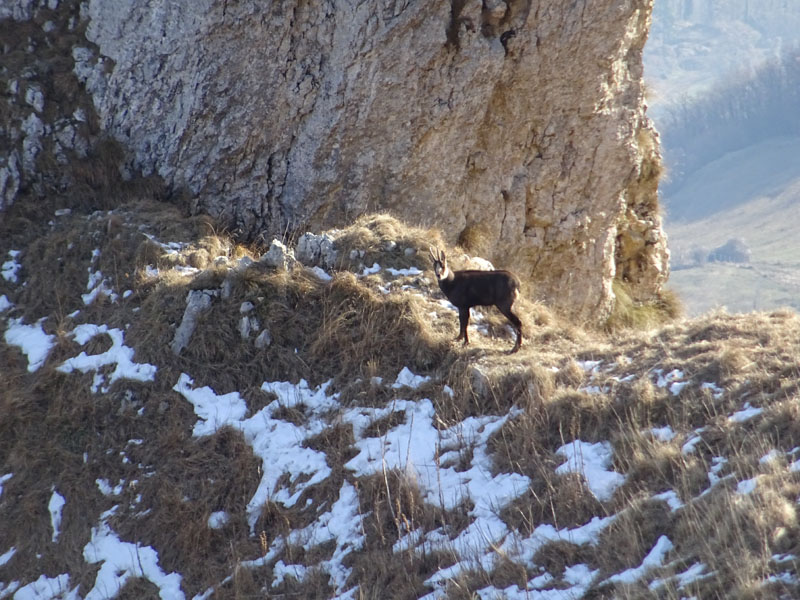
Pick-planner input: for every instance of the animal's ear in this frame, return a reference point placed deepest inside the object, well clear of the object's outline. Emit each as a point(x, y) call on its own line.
point(434, 258)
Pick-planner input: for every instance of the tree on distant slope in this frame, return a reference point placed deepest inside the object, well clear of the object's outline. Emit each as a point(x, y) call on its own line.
point(734, 251)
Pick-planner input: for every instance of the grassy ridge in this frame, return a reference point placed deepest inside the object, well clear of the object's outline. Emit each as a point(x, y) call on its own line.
point(671, 402)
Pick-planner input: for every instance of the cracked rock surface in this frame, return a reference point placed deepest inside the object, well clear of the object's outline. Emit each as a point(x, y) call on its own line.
point(521, 122)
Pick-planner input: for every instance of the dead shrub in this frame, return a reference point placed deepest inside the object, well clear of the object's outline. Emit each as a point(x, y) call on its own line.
point(563, 501)
point(474, 239)
point(384, 239)
point(633, 534)
point(392, 507)
point(557, 556)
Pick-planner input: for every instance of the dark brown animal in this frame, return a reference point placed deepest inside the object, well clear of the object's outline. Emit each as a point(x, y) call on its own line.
point(465, 289)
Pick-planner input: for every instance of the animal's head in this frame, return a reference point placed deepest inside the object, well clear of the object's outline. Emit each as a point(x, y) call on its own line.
point(440, 268)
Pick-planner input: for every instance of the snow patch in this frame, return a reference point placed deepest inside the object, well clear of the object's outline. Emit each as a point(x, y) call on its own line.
point(747, 413)
point(524, 549)
point(218, 519)
point(770, 457)
point(47, 588)
point(97, 284)
point(694, 573)
point(405, 378)
point(578, 577)
point(403, 272)
point(341, 524)
point(717, 464)
point(671, 498)
point(279, 444)
point(747, 486)
point(424, 453)
point(590, 366)
point(107, 490)
point(11, 268)
point(375, 268)
point(653, 560)
point(215, 411)
point(281, 570)
point(32, 340)
point(3, 479)
point(55, 506)
point(691, 575)
point(663, 434)
point(592, 461)
point(7, 556)
point(119, 355)
point(123, 560)
point(5, 303)
point(690, 444)
point(715, 390)
point(672, 380)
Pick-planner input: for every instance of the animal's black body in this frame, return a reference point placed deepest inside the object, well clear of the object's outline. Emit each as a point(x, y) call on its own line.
point(465, 289)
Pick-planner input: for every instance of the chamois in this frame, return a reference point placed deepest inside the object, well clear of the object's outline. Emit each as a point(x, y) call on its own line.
point(465, 289)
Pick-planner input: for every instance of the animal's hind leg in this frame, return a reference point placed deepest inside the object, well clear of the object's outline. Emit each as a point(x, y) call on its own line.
point(505, 308)
point(463, 320)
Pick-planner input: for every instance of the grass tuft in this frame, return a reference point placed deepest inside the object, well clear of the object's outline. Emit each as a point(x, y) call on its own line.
point(629, 313)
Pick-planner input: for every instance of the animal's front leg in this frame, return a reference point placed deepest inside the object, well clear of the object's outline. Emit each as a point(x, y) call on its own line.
point(463, 320)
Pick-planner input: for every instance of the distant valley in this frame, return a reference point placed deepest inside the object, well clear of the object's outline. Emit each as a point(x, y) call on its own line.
point(723, 79)
point(752, 195)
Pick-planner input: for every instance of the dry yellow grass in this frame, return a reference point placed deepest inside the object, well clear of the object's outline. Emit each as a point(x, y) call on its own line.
point(566, 383)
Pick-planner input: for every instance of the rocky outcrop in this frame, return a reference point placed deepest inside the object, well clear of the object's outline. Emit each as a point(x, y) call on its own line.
point(45, 117)
point(516, 123)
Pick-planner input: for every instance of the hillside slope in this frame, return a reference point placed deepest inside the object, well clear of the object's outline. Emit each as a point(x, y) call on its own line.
point(182, 417)
point(752, 195)
point(696, 44)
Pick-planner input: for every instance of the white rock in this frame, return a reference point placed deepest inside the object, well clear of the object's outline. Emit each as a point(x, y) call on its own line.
point(247, 325)
point(33, 129)
point(316, 250)
point(244, 327)
point(9, 182)
point(263, 340)
point(35, 97)
point(226, 289)
point(244, 263)
point(197, 302)
point(278, 256)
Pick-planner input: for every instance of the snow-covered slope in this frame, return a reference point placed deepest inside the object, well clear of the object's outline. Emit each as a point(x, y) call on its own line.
point(352, 451)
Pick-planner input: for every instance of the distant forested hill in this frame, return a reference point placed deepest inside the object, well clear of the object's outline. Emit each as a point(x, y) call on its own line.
point(741, 113)
point(695, 44)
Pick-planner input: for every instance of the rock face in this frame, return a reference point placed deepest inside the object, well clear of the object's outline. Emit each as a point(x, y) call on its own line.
point(45, 116)
point(518, 122)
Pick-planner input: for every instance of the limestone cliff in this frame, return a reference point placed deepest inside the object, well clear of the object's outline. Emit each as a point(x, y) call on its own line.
point(519, 122)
